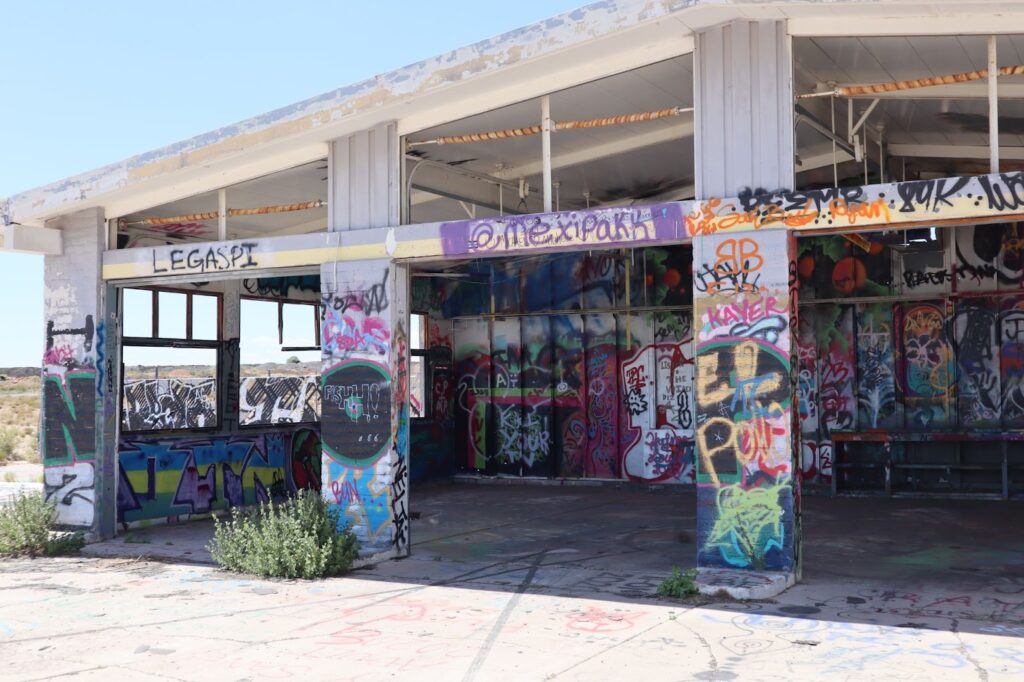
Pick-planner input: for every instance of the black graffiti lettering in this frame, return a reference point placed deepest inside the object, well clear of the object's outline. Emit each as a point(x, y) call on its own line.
point(916, 278)
point(928, 194)
point(372, 301)
point(1007, 196)
point(281, 287)
point(210, 259)
point(86, 332)
point(790, 200)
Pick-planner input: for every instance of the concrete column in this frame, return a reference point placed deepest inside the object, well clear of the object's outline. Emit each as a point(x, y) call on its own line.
point(75, 383)
point(364, 408)
point(745, 316)
point(743, 99)
point(364, 186)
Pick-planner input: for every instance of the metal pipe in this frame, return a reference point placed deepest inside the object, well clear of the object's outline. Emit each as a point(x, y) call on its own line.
point(835, 163)
point(222, 214)
point(915, 83)
point(881, 155)
point(993, 106)
point(864, 117)
point(545, 125)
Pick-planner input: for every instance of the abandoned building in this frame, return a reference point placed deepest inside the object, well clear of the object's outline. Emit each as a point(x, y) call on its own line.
point(754, 250)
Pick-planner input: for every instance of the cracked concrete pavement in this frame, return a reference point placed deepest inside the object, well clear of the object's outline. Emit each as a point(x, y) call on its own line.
point(535, 584)
point(98, 618)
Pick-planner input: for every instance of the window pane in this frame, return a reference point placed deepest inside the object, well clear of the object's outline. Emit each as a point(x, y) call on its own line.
point(169, 388)
point(204, 317)
point(172, 315)
point(277, 387)
point(138, 313)
point(417, 387)
point(417, 331)
point(299, 325)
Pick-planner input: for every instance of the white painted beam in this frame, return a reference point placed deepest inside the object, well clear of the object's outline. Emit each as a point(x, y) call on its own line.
point(938, 151)
point(809, 163)
point(595, 152)
point(43, 241)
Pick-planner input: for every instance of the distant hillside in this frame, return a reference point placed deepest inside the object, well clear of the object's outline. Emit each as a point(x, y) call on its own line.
point(19, 372)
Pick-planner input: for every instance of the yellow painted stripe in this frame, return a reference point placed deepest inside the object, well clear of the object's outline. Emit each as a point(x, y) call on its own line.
point(417, 248)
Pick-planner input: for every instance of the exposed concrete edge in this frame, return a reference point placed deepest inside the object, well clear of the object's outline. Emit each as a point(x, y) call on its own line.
point(743, 585)
point(476, 479)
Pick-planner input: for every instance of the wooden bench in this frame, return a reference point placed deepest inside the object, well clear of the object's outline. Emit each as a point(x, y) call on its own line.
point(887, 438)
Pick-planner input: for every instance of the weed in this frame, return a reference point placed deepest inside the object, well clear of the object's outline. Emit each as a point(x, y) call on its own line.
point(26, 528)
point(297, 538)
point(680, 584)
point(9, 477)
point(8, 441)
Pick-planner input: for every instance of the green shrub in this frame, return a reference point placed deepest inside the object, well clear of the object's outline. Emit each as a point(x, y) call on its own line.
point(680, 584)
point(297, 538)
point(26, 528)
point(8, 441)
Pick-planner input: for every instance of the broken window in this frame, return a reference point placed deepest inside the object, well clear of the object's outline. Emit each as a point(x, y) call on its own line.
point(419, 366)
point(280, 362)
point(169, 360)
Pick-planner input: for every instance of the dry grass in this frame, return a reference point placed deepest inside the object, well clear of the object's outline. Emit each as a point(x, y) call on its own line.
point(19, 426)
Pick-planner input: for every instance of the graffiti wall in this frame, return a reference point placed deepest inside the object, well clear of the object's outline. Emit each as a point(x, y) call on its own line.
point(74, 372)
point(191, 402)
point(945, 357)
point(364, 391)
point(585, 394)
point(173, 478)
point(746, 502)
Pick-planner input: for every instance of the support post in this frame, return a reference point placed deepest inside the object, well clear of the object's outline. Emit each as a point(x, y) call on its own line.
point(222, 215)
point(545, 136)
point(364, 402)
point(75, 380)
point(993, 106)
point(747, 438)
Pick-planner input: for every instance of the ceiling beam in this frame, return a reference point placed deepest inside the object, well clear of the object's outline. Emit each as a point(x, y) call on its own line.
point(960, 151)
point(809, 163)
point(595, 152)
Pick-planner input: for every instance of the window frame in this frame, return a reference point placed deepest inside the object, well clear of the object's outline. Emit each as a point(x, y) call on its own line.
point(317, 309)
point(156, 341)
point(424, 353)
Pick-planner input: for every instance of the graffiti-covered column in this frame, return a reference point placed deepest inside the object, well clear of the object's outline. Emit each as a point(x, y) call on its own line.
point(74, 378)
point(364, 422)
point(745, 322)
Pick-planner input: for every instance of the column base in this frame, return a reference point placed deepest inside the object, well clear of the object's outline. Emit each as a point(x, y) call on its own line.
point(743, 584)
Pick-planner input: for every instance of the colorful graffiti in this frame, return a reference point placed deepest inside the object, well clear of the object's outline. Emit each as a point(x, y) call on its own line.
point(743, 387)
point(364, 403)
point(928, 366)
point(71, 405)
point(173, 478)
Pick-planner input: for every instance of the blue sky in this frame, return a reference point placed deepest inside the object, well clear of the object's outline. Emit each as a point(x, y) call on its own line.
point(86, 84)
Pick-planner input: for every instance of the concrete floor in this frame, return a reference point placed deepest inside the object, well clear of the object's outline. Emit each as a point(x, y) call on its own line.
point(538, 583)
point(620, 542)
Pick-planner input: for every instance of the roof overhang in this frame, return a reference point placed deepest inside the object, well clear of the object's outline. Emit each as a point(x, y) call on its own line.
point(599, 39)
